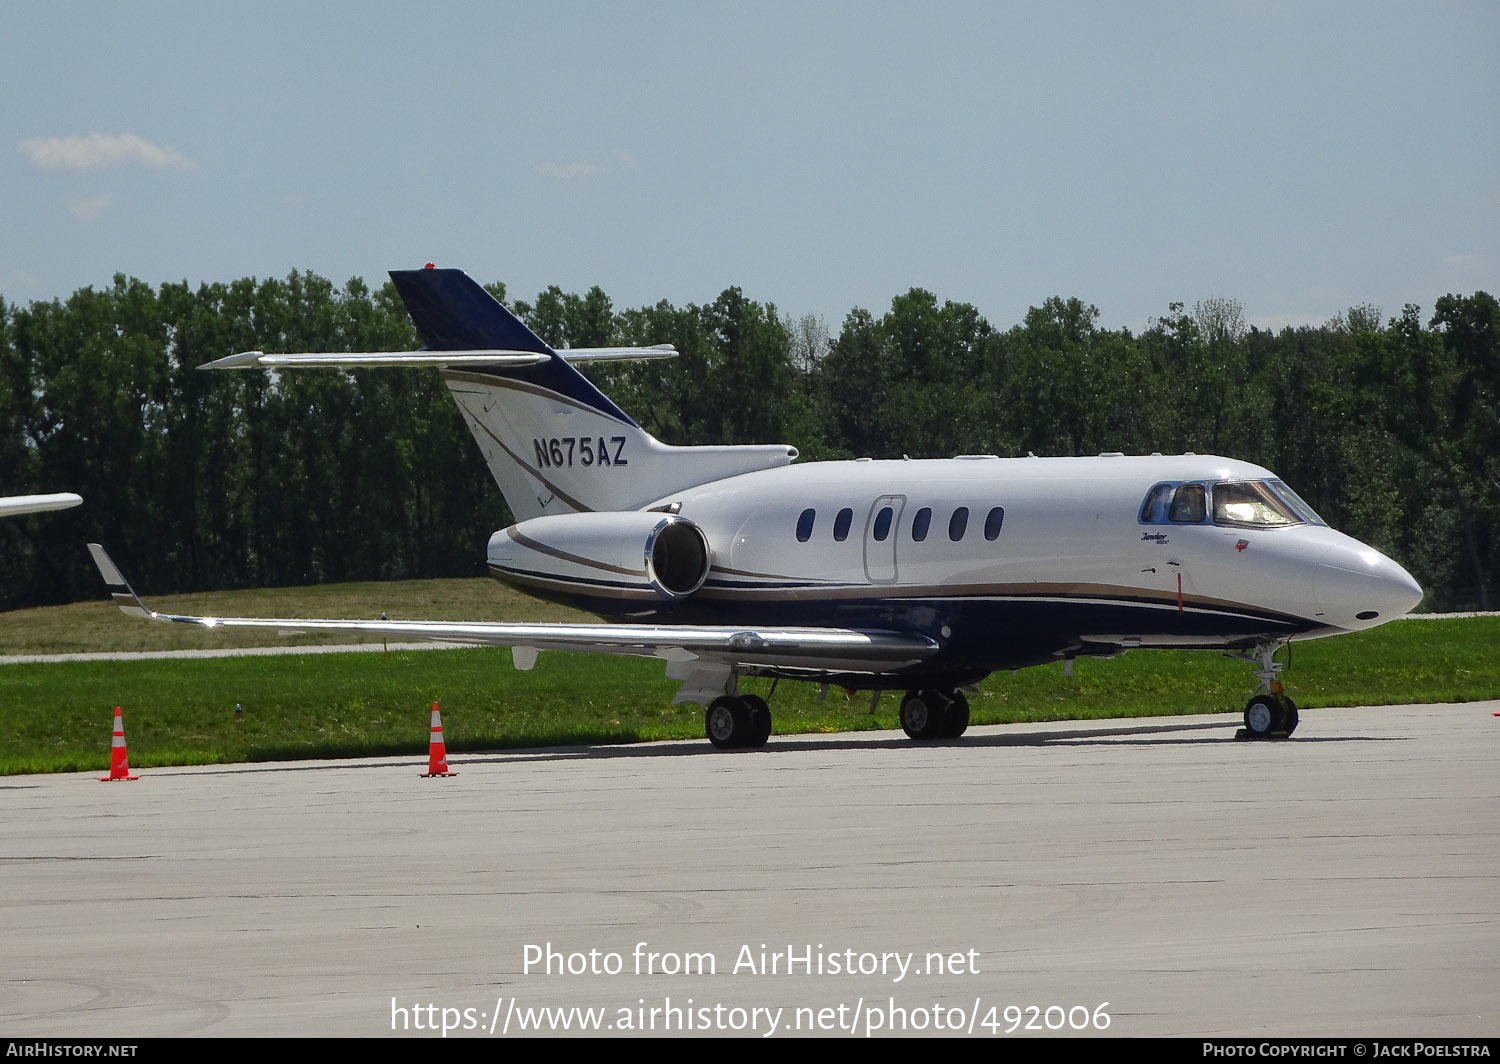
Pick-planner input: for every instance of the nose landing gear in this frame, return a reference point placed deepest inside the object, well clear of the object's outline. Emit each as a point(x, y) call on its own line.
point(1270, 714)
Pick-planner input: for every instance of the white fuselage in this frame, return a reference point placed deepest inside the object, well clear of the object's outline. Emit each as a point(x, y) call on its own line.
point(1054, 556)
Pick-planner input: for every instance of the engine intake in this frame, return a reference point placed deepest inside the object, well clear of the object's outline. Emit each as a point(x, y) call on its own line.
point(624, 555)
point(677, 557)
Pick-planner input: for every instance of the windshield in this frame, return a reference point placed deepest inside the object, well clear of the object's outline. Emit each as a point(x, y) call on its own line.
point(1252, 502)
point(1295, 501)
point(1244, 503)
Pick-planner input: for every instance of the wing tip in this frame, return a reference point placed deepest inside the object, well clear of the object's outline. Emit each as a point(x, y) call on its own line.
point(120, 591)
point(240, 360)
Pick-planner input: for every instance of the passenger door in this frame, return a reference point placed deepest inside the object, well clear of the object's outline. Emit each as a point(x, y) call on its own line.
point(882, 528)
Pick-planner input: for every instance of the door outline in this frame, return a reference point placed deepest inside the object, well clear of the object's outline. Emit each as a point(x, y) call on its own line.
point(880, 557)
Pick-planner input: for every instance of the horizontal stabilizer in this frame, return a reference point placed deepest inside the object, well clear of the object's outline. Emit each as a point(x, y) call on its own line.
point(354, 359)
point(435, 359)
point(612, 354)
point(544, 429)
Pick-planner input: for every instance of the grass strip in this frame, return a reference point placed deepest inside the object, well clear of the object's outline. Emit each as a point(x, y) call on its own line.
point(56, 717)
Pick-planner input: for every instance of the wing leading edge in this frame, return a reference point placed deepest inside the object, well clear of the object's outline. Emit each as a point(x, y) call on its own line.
point(702, 657)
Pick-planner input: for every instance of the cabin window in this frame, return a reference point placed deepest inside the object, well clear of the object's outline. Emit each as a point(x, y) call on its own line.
point(1189, 504)
point(958, 523)
point(920, 523)
point(805, 525)
point(883, 524)
point(841, 524)
point(993, 522)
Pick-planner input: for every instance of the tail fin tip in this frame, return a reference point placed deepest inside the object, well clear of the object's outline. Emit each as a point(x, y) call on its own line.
point(453, 312)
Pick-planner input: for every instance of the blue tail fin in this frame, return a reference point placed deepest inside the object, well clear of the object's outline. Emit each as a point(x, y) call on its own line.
point(453, 312)
point(554, 443)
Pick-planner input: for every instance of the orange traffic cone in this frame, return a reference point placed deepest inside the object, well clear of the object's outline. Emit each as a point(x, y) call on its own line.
point(119, 764)
point(437, 752)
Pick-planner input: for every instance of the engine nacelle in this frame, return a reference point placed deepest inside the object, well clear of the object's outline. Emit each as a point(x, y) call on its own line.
point(624, 555)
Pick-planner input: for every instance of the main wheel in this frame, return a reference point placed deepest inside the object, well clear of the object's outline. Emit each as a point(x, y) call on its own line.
point(760, 720)
point(924, 714)
point(727, 722)
point(958, 716)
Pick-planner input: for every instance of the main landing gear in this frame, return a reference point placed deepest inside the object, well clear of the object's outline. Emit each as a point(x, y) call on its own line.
point(737, 722)
point(1270, 714)
point(934, 714)
point(742, 722)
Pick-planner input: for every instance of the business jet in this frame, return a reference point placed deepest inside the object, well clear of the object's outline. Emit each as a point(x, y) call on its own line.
point(916, 576)
point(31, 504)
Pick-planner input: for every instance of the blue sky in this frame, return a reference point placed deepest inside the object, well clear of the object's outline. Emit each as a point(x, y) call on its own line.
point(1299, 157)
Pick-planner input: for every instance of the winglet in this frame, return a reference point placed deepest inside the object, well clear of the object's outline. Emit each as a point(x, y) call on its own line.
point(119, 588)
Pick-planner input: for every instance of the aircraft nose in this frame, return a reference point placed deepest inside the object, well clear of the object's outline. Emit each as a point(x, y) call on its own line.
point(1358, 587)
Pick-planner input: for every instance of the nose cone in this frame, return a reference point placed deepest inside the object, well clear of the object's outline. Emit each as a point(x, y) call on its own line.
point(1358, 587)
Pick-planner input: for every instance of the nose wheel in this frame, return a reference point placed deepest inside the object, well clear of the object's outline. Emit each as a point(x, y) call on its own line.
point(1270, 713)
point(1270, 717)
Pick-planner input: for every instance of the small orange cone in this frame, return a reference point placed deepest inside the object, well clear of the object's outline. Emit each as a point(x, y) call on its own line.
point(119, 764)
point(437, 752)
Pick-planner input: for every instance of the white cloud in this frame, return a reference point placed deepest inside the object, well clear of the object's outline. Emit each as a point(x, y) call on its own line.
point(88, 207)
point(617, 162)
point(101, 151)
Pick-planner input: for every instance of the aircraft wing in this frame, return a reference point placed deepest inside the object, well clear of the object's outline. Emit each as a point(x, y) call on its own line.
point(30, 504)
point(702, 656)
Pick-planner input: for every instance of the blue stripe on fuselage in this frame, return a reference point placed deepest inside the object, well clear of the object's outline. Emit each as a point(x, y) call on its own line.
point(983, 633)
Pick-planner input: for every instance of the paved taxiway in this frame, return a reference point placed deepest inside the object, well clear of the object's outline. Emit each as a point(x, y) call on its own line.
point(1345, 883)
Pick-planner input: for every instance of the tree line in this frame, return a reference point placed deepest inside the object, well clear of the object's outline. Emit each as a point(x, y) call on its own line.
point(1390, 428)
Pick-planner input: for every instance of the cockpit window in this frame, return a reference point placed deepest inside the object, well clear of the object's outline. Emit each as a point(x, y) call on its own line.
point(1189, 504)
point(1242, 503)
point(1293, 500)
point(1253, 503)
point(1154, 509)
